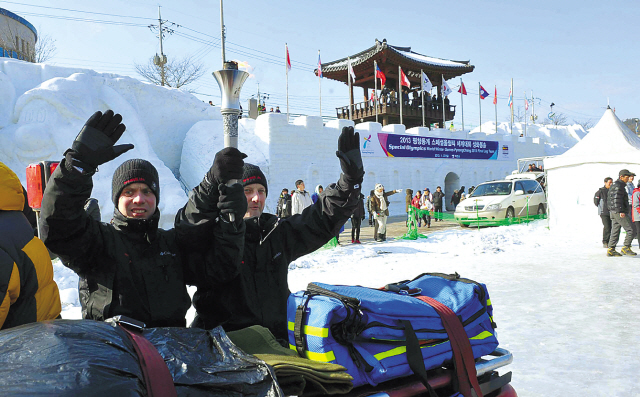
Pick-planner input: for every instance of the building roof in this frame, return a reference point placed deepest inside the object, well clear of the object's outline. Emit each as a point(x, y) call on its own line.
point(389, 58)
point(23, 21)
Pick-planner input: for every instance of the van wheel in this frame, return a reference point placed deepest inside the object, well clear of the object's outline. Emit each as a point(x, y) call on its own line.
point(541, 210)
point(464, 224)
point(511, 213)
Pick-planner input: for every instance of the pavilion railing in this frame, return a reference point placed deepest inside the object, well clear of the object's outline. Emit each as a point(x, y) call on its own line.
point(432, 111)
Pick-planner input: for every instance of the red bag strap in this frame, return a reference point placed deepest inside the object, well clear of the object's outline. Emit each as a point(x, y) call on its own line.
point(156, 374)
point(462, 354)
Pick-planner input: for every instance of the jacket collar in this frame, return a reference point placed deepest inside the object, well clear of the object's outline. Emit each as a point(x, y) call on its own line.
point(259, 227)
point(137, 228)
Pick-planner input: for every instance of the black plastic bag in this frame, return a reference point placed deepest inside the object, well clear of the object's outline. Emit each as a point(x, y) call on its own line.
point(85, 357)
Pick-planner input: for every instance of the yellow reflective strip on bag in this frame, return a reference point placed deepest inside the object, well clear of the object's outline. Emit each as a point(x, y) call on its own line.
point(310, 330)
point(402, 349)
point(488, 302)
point(322, 357)
point(482, 335)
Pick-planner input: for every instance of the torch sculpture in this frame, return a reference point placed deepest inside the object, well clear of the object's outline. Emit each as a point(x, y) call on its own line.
point(230, 80)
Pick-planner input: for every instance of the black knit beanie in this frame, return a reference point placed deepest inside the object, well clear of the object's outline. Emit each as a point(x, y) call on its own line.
point(252, 174)
point(135, 171)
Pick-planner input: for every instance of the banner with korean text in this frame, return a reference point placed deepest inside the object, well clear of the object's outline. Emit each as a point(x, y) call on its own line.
point(393, 145)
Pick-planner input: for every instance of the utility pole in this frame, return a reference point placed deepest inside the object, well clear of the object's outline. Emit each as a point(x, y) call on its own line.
point(222, 29)
point(160, 60)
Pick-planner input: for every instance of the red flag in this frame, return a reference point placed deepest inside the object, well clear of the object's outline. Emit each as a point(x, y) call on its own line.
point(495, 97)
point(404, 80)
point(288, 59)
point(380, 75)
point(462, 89)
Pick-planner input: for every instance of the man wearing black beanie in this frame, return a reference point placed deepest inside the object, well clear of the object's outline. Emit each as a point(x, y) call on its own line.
point(131, 267)
point(258, 295)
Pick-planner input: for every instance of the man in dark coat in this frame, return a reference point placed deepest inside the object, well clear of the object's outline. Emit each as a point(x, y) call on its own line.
point(438, 197)
point(600, 200)
point(356, 220)
point(618, 203)
point(132, 267)
point(283, 210)
point(258, 296)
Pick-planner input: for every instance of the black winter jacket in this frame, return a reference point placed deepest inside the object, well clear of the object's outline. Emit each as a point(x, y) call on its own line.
point(129, 267)
point(283, 210)
point(618, 199)
point(259, 294)
point(359, 211)
point(437, 198)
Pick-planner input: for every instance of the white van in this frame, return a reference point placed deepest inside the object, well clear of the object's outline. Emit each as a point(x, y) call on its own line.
point(518, 195)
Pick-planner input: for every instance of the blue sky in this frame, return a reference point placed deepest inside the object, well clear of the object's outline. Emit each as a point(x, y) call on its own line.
point(576, 54)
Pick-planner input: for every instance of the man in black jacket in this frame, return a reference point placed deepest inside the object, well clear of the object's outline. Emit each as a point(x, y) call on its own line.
point(131, 267)
point(600, 200)
point(618, 202)
point(438, 197)
point(259, 294)
point(283, 210)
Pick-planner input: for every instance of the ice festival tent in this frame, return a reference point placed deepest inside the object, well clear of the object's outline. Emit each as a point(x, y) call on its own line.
point(574, 177)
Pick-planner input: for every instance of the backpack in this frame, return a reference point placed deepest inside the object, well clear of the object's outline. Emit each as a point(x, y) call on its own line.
point(383, 334)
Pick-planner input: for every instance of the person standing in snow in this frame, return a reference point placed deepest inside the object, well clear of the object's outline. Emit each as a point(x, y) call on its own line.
point(283, 210)
point(438, 198)
point(258, 295)
point(635, 206)
point(407, 200)
point(415, 202)
point(426, 205)
point(600, 200)
point(381, 209)
point(300, 198)
point(356, 220)
point(316, 193)
point(630, 188)
point(370, 209)
point(618, 202)
point(132, 267)
point(28, 292)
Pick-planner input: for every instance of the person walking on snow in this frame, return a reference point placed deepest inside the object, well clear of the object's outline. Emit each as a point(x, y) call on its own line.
point(438, 198)
point(370, 209)
point(356, 220)
point(283, 209)
point(300, 198)
point(618, 202)
point(415, 202)
point(381, 209)
point(316, 193)
point(426, 205)
point(600, 200)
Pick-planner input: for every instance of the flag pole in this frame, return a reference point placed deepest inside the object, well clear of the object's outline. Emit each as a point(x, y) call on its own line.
point(533, 110)
point(422, 89)
point(320, 83)
point(286, 67)
point(444, 120)
point(375, 89)
point(480, 105)
point(495, 93)
point(525, 113)
point(349, 77)
point(511, 106)
point(462, 103)
point(399, 96)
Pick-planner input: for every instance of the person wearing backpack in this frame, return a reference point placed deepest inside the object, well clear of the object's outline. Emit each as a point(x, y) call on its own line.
point(600, 200)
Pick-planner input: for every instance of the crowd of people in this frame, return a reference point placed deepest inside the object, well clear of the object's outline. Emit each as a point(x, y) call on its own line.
point(411, 98)
point(618, 205)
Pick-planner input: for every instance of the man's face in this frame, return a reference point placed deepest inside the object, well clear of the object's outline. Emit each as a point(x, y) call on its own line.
point(320, 190)
point(301, 186)
point(137, 201)
point(256, 196)
point(438, 189)
point(624, 178)
point(608, 184)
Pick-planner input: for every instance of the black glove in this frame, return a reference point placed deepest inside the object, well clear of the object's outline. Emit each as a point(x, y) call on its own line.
point(232, 200)
point(94, 145)
point(227, 165)
point(349, 154)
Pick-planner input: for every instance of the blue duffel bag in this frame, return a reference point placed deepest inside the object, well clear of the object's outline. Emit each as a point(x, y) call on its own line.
point(372, 332)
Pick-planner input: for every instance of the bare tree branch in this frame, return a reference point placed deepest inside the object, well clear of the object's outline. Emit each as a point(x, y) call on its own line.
point(558, 119)
point(587, 124)
point(177, 73)
point(45, 49)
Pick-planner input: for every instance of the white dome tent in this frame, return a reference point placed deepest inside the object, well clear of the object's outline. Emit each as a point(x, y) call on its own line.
point(574, 177)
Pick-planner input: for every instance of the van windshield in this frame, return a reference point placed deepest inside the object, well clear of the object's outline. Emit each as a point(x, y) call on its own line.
point(492, 189)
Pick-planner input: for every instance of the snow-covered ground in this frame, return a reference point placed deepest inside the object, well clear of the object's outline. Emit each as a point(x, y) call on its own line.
point(566, 311)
